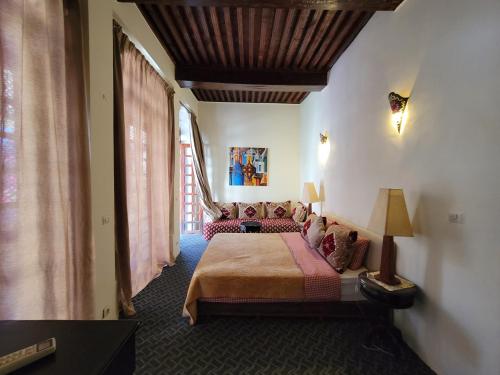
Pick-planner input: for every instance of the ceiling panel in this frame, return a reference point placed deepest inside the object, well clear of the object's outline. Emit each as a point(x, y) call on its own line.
point(261, 54)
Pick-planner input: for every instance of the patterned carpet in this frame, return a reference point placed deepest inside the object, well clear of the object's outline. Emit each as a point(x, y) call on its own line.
point(166, 344)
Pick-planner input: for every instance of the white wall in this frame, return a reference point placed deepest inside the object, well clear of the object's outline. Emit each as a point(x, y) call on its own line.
point(100, 48)
point(275, 126)
point(446, 55)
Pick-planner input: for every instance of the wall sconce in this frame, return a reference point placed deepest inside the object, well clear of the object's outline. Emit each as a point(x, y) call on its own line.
point(398, 106)
point(324, 148)
point(323, 137)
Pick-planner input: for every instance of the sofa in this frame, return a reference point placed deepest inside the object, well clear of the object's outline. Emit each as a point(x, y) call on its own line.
point(274, 217)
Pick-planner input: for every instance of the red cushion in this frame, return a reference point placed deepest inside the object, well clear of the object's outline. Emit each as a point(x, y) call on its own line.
point(360, 250)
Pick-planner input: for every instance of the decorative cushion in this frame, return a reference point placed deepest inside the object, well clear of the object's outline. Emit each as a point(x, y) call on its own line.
point(360, 248)
point(278, 210)
point(336, 247)
point(250, 210)
point(353, 234)
point(299, 213)
point(316, 232)
point(229, 210)
point(307, 225)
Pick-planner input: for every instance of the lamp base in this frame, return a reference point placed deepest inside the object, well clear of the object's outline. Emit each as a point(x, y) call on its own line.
point(389, 281)
point(388, 262)
point(309, 209)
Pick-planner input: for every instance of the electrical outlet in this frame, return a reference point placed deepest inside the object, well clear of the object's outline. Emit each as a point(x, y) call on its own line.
point(105, 312)
point(105, 220)
point(456, 217)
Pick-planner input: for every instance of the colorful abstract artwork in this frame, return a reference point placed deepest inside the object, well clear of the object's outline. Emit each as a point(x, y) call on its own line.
point(248, 166)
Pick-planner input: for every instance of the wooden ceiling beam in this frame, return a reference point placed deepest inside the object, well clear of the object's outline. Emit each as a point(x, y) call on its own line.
point(196, 34)
point(229, 35)
point(206, 34)
point(218, 35)
point(241, 43)
point(216, 79)
point(360, 5)
point(297, 36)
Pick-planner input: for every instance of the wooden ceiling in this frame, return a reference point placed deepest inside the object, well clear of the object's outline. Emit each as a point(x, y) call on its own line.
point(257, 51)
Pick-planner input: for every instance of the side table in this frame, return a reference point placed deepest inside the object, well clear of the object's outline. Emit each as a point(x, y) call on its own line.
point(250, 227)
point(384, 336)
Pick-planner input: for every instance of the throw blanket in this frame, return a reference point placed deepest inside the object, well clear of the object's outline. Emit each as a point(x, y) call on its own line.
point(256, 266)
point(321, 281)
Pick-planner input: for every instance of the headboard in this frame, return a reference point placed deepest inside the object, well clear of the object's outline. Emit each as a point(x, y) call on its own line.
point(372, 261)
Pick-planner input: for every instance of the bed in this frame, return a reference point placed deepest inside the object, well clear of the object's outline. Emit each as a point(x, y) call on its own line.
point(272, 274)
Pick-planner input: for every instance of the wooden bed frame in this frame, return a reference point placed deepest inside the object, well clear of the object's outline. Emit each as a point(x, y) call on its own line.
point(335, 309)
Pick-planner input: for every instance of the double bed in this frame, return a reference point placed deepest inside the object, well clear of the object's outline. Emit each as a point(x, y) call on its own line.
point(274, 274)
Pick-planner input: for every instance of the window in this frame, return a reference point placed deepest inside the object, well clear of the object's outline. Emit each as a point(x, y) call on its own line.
point(191, 211)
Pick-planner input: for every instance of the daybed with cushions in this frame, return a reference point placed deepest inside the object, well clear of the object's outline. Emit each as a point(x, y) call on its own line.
point(274, 217)
point(311, 273)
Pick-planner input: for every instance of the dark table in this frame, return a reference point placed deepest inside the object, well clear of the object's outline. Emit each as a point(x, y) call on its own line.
point(250, 227)
point(82, 346)
point(384, 337)
point(397, 299)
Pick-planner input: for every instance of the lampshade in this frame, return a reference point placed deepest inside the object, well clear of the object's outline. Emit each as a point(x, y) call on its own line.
point(309, 194)
point(390, 216)
point(398, 106)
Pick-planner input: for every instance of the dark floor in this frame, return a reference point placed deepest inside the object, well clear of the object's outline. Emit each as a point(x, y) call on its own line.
point(166, 344)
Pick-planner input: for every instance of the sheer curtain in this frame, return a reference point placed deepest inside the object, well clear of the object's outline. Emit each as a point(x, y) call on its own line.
point(144, 165)
point(46, 252)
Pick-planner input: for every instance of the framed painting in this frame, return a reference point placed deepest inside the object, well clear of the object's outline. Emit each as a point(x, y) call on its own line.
point(248, 166)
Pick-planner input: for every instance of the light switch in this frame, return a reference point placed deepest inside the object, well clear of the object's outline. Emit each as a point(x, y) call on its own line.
point(456, 217)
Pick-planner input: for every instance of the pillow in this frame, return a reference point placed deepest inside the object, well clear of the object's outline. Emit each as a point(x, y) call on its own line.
point(353, 234)
point(278, 210)
point(360, 248)
point(251, 211)
point(316, 232)
point(336, 247)
point(307, 225)
point(229, 210)
point(299, 213)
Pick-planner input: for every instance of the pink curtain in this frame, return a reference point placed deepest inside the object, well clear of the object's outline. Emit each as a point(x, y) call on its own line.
point(46, 253)
point(144, 163)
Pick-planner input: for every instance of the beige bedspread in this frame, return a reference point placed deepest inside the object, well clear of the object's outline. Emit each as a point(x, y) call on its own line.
point(244, 266)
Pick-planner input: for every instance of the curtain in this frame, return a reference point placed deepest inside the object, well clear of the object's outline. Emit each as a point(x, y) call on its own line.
point(200, 171)
point(144, 170)
point(46, 251)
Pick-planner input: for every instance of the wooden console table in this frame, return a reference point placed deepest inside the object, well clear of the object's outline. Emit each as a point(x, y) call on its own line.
point(83, 346)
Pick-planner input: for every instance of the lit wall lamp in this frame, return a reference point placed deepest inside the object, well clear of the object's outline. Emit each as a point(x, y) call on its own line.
point(324, 148)
point(398, 107)
point(323, 137)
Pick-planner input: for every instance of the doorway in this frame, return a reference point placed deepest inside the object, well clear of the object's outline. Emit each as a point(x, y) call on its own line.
point(191, 212)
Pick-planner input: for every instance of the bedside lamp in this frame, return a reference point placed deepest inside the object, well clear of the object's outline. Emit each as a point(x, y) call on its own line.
point(390, 218)
point(309, 195)
point(321, 196)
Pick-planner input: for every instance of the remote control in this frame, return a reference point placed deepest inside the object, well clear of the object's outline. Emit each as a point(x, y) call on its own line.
point(15, 360)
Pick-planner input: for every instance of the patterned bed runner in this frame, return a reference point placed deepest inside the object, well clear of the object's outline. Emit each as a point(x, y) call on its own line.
point(321, 281)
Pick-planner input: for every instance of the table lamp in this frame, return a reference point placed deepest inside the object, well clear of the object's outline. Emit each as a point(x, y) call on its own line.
point(321, 197)
point(390, 218)
point(309, 195)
